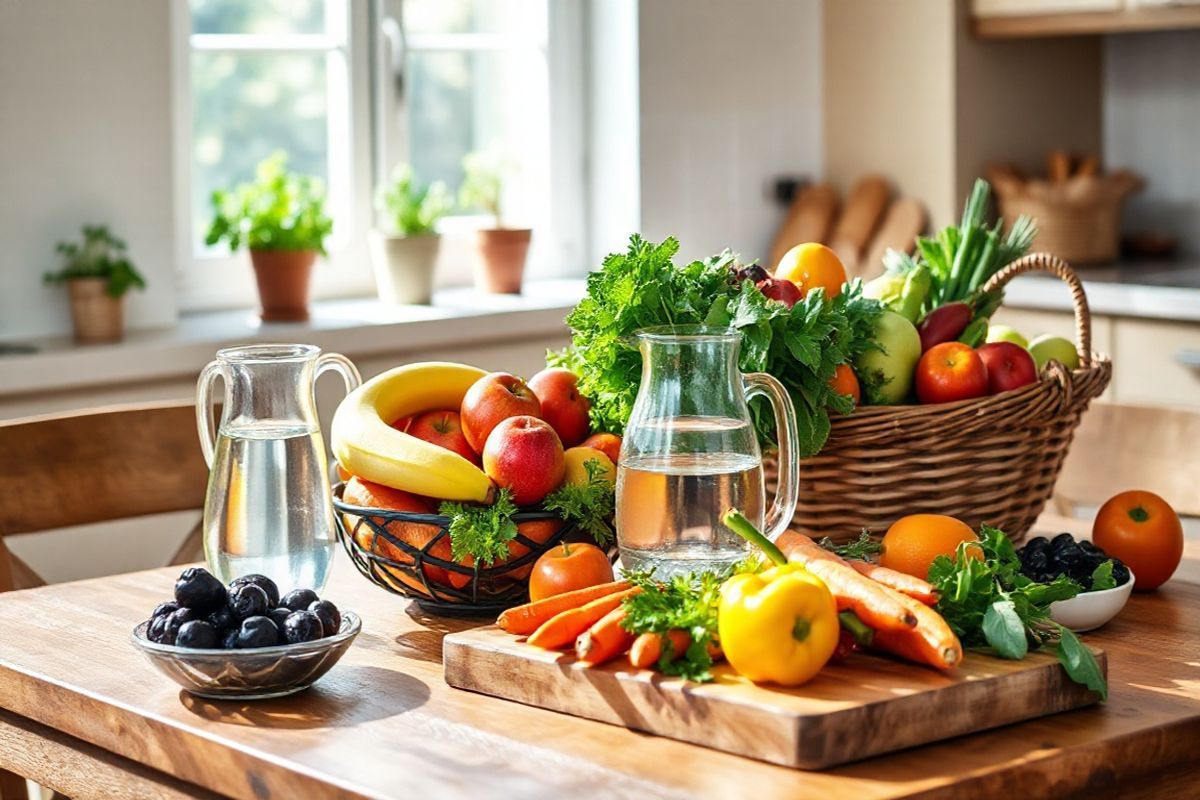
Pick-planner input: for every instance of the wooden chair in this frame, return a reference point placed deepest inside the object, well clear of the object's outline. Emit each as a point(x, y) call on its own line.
point(95, 466)
point(1120, 447)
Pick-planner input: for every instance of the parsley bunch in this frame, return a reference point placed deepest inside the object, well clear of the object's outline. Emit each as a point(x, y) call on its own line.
point(990, 605)
point(589, 505)
point(801, 346)
point(481, 532)
point(686, 602)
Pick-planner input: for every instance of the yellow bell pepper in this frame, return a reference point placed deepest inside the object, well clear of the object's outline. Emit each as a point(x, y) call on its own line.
point(779, 625)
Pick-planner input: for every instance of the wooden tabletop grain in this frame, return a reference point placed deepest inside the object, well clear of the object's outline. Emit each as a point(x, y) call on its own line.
point(384, 724)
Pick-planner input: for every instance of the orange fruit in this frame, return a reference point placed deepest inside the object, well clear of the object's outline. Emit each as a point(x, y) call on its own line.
point(812, 265)
point(1142, 530)
point(913, 542)
point(846, 382)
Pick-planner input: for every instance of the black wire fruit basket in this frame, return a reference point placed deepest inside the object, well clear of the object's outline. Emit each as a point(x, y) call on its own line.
point(408, 553)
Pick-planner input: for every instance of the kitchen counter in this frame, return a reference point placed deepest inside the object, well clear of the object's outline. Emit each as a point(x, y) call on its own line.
point(1167, 290)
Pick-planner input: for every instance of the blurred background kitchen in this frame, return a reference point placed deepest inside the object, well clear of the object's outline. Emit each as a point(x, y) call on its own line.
point(748, 124)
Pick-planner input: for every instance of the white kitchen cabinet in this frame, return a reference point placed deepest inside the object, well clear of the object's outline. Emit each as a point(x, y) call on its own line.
point(1157, 363)
point(1008, 8)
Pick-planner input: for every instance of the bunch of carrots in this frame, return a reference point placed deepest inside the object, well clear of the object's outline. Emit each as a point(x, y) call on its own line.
point(590, 620)
point(896, 607)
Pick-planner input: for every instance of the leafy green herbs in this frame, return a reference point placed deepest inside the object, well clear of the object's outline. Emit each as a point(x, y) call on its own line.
point(862, 547)
point(102, 255)
point(685, 602)
point(482, 532)
point(279, 210)
point(990, 604)
point(412, 208)
point(1102, 577)
point(801, 346)
point(590, 506)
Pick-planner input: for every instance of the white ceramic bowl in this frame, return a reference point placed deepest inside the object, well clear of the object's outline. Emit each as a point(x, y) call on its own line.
point(1087, 611)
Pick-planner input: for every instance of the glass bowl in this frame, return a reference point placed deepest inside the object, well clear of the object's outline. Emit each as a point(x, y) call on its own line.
point(252, 674)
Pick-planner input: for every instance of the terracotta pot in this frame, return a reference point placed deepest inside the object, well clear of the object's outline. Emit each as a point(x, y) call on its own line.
point(283, 277)
point(500, 259)
point(98, 317)
point(403, 266)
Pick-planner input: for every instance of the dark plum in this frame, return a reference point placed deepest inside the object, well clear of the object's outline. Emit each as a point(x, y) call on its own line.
point(174, 621)
point(157, 629)
point(327, 612)
point(302, 626)
point(248, 600)
point(198, 590)
point(1061, 541)
point(262, 582)
point(299, 599)
point(753, 273)
point(162, 609)
point(1037, 561)
point(1069, 556)
point(198, 635)
point(223, 618)
point(257, 632)
point(230, 638)
point(279, 615)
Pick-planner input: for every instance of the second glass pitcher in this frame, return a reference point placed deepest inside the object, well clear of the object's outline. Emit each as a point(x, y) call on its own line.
point(268, 509)
point(690, 453)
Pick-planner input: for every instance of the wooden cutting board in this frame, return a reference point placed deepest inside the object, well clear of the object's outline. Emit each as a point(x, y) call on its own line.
point(863, 707)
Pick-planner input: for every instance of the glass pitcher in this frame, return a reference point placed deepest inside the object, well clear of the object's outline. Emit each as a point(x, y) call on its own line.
point(690, 453)
point(268, 509)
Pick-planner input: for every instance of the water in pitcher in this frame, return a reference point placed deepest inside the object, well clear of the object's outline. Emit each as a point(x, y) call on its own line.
point(671, 507)
point(269, 515)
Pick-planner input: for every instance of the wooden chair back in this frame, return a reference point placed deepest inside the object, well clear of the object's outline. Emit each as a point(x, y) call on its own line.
point(93, 466)
point(1120, 447)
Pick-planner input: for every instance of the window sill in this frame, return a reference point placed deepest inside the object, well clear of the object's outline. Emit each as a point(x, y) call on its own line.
point(358, 328)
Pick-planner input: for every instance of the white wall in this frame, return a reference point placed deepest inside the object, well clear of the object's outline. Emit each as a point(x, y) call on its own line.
point(1151, 120)
point(730, 99)
point(85, 137)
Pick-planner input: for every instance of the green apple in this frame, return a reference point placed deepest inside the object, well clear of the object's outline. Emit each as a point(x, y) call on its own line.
point(1006, 333)
point(1046, 348)
point(886, 372)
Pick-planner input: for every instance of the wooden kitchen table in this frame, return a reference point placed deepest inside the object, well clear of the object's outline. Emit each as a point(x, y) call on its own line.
point(84, 713)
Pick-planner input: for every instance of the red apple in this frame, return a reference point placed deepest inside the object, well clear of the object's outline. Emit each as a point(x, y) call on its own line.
point(950, 371)
point(444, 429)
point(782, 290)
point(562, 405)
point(490, 400)
point(402, 423)
point(607, 443)
point(524, 455)
point(1009, 366)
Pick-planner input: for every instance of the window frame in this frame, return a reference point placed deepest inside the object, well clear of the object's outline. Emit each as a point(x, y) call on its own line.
point(207, 281)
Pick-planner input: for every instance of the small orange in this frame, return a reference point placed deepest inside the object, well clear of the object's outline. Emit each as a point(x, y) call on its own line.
point(844, 381)
point(812, 265)
point(1142, 530)
point(913, 542)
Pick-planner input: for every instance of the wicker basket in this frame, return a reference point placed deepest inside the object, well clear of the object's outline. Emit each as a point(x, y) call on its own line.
point(987, 460)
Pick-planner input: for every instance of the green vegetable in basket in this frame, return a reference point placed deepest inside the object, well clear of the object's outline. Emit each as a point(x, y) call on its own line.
point(902, 287)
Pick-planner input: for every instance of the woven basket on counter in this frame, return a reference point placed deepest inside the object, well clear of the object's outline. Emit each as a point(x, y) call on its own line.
point(987, 460)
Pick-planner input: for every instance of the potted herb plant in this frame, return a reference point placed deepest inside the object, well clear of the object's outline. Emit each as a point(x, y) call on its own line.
point(280, 216)
point(403, 257)
point(500, 252)
point(98, 275)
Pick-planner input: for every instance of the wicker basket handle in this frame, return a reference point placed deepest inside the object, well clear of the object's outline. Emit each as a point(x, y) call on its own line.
point(1044, 262)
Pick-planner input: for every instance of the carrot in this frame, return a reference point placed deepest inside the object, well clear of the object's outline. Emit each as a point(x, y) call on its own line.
point(903, 583)
point(647, 649)
point(526, 619)
point(931, 642)
point(564, 627)
point(875, 604)
point(605, 640)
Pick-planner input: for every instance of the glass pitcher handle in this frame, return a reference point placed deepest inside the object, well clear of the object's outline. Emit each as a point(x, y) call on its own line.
point(204, 414)
point(780, 515)
point(342, 366)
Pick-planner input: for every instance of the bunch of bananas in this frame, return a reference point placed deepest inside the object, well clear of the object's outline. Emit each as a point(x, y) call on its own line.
point(365, 443)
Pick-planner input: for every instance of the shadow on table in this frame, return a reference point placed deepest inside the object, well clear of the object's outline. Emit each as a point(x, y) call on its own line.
point(346, 697)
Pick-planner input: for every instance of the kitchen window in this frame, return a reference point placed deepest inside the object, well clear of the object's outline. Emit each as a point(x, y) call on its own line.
point(350, 89)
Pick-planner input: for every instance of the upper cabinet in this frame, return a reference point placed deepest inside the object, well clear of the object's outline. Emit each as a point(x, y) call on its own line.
point(1009, 19)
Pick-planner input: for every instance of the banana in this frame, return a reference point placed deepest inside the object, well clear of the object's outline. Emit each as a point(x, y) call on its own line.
point(366, 444)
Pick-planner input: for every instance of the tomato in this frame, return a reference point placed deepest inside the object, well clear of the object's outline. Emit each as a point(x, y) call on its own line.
point(1142, 530)
point(566, 567)
point(846, 382)
point(950, 371)
point(812, 265)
